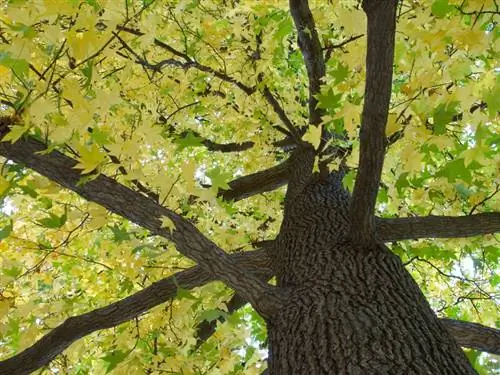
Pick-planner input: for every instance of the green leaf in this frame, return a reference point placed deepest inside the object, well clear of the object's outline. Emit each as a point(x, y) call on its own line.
point(184, 293)
point(189, 140)
point(53, 221)
point(20, 67)
point(441, 8)
point(402, 182)
point(87, 71)
point(462, 191)
point(285, 27)
point(443, 115)
point(29, 191)
point(6, 231)
point(454, 170)
point(329, 100)
point(119, 234)
point(348, 180)
point(219, 179)
point(340, 73)
point(114, 358)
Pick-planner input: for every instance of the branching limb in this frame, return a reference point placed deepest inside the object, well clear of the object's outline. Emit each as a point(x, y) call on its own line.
point(188, 63)
point(381, 30)
point(145, 212)
point(408, 228)
point(332, 47)
point(74, 328)
point(312, 52)
point(256, 183)
point(474, 335)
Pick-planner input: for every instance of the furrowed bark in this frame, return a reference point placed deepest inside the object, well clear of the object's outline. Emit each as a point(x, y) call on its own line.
point(144, 212)
point(381, 17)
point(409, 228)
point(312, 53)
point(474, 336)
point(74, 328)
point(340, 289)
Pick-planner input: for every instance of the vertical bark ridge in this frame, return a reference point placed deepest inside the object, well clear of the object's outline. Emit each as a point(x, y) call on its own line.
point(352, 309)
point(370, 319)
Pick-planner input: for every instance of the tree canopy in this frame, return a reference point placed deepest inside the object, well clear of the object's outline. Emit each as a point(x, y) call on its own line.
point(146, 154)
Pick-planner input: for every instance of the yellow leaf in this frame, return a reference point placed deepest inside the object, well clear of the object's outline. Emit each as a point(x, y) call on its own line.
point(476, 154)
point(188, 172)
point(411, 158)
point(4, 185)
point(4, 307)
point(313, 135)
point(392, 125)
point(167, 223)
point(350, 113)
point(476, 198)
point(90, 158)
point(15, 133)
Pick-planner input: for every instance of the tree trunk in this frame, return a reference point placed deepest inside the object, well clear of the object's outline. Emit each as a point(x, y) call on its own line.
point(351, 310)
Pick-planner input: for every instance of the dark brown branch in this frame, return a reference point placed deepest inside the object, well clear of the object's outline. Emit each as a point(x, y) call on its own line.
point(188, 62)
point(380, 54)
point(74, 328)
point(145, 212)
point(281, 114)
point(474, 335)
point(329, 50)
point(256, 183)
point(312, 52)
point(408, 228)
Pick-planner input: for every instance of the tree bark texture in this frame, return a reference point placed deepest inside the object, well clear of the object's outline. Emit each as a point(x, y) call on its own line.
point(352, 310)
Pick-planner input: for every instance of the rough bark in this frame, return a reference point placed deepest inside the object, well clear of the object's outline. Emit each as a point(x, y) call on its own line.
point(352, 310)
point(470, 335)
point(408, 228)
point(310, 46)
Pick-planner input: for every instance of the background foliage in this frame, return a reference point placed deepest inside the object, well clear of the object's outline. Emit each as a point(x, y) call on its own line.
point(146, 90)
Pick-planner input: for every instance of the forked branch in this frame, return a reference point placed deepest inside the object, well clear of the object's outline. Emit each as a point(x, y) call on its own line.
point(144, 212)
point(74, 328)
point(381, 16)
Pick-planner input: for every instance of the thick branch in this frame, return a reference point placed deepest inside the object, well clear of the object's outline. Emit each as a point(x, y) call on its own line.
point(312, 52)
point(474, 335)
point(57, 340)
point(381, 30)
point(256, 183)
point(408, 228)
point(145, 212)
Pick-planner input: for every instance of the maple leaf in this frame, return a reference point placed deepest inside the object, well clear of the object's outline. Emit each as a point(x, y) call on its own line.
point(329, 100)
point(90, 158)
point(218, 178)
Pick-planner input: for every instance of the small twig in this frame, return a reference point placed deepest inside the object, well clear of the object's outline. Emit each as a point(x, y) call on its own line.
point(329, 49)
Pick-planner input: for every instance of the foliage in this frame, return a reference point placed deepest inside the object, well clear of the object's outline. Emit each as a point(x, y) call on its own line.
point(143, 90)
